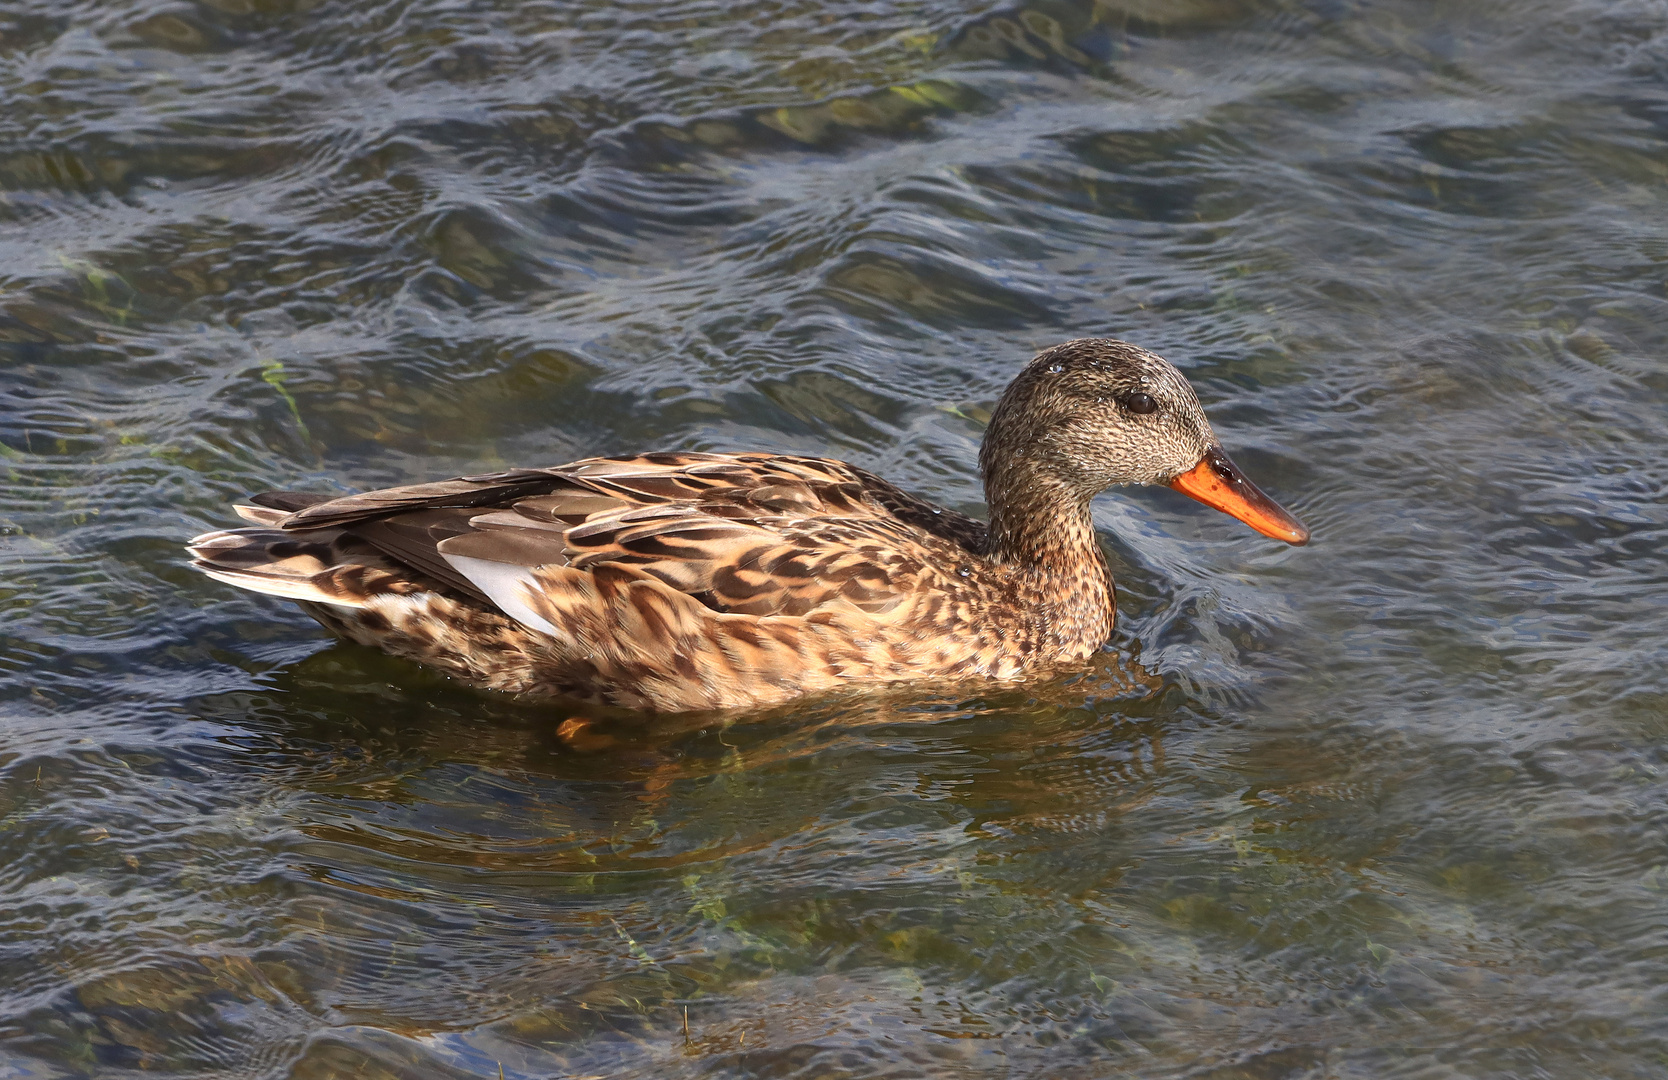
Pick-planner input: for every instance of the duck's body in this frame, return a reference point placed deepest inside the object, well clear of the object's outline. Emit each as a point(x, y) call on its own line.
point(677, 581)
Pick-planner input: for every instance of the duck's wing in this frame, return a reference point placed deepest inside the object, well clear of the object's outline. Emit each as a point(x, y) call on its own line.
point(748, 534)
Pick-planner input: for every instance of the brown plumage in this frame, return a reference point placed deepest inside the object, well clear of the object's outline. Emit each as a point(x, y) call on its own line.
point(677, 581)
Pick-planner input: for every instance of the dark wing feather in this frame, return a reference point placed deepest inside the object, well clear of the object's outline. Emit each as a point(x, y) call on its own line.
point(752, 534)
point(288, 500)
point(414, 539)
point(492, 489)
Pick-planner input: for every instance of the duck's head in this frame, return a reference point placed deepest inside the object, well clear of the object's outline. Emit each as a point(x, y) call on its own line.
point(1096, 413)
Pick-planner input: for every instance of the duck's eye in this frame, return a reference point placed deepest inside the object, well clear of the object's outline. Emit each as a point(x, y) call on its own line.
point(1140, 403)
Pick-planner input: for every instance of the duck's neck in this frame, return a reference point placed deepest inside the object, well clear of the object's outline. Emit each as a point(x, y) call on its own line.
point(1042, 529)
point(1037, 523)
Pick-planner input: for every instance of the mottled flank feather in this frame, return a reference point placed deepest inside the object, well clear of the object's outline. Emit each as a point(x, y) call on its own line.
point(677, 581)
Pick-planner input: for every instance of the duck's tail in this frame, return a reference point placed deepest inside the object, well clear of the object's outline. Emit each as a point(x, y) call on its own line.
point(321, 566)
point(359, 593)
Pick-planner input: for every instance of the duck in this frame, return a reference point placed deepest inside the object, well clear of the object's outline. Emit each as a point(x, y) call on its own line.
point(679, 581)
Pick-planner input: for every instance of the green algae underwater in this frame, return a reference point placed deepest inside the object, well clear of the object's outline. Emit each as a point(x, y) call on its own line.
point(1392, 805)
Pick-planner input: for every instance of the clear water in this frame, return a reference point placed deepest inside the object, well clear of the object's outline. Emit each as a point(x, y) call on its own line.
point(1394, 805)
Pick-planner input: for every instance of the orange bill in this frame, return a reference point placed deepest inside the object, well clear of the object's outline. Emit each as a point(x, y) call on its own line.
point(1217, 482)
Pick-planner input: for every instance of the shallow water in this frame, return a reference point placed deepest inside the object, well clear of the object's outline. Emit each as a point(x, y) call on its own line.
point(1395, 805)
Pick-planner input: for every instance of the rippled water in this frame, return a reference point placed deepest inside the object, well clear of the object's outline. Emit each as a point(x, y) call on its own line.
point(1396, 805)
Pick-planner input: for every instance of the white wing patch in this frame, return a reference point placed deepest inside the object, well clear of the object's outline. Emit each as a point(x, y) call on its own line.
point(507, 586)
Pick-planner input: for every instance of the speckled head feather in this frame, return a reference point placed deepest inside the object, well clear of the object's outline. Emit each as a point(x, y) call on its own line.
point(1068, 416)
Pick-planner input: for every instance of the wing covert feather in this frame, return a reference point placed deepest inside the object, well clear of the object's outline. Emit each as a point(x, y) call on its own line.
point(744, 534)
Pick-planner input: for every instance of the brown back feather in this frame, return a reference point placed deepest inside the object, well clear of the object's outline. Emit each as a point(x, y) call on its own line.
point(751, 534)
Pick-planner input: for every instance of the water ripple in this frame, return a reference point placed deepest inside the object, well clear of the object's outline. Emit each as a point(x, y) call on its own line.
point(1387, 804)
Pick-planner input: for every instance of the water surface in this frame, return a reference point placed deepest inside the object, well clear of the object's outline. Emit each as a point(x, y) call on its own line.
point(1391, 805)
